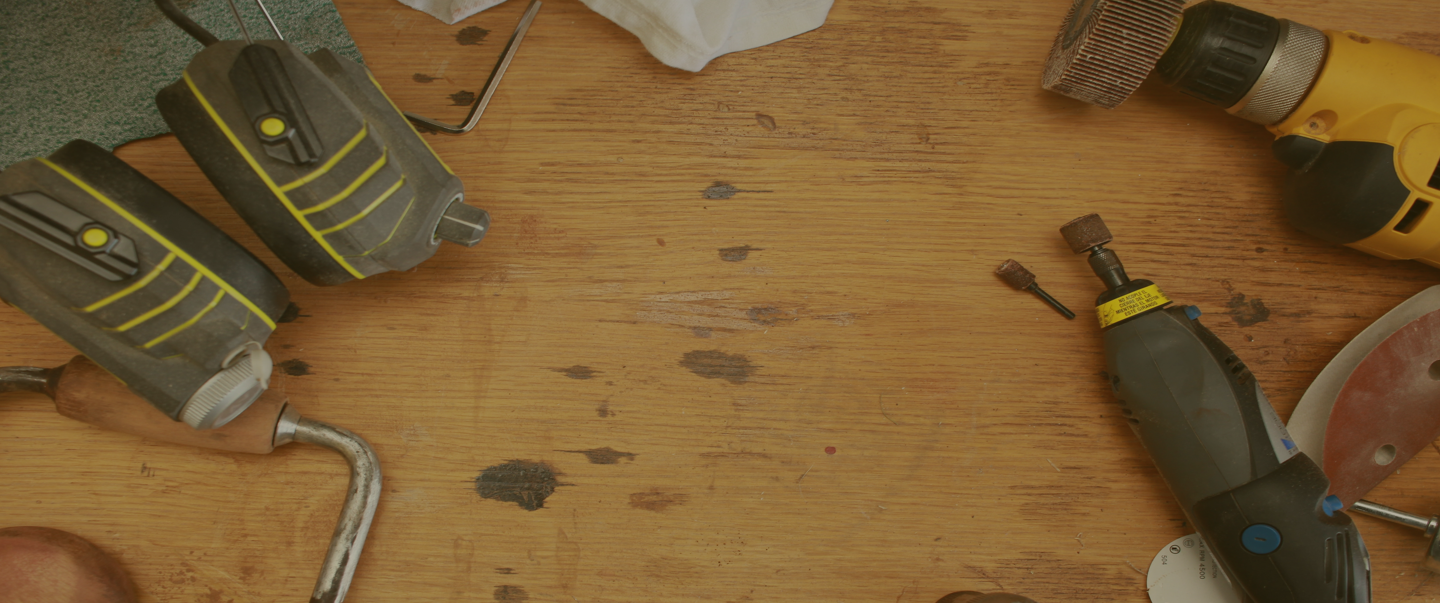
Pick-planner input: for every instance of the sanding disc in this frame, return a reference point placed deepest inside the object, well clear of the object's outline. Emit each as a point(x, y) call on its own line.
point(1185, 571)
point(1106, 48)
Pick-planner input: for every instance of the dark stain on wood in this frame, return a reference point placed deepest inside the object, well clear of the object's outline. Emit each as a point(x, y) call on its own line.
point(765, 121)
point(701, 332)
point(603, 410)
point(577, 372)
point(603, 456)
point(295, 367)
point(659, 241)
point(714, 364)
point(291, 314)
point(657, 500)
point(421, 78)
point(1245, 312)
point(471, 36)
point(737, 254)
point(525, 483)
point(509, 593)
point(765, 315)
point(504, 570)
point(720, 190)
point(463, 98)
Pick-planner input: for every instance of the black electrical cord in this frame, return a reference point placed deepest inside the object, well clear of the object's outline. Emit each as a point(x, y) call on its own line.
point(179, 18)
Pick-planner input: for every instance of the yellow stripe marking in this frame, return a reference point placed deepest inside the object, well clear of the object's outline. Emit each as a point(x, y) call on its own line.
point(408, 123)
point(189, 323)
point(268, 182)
point(350, 190)
point(175, 249)
point(365, 212)
point(394, 229)
point(165, 263)
point(194, 282)
point(320, 171)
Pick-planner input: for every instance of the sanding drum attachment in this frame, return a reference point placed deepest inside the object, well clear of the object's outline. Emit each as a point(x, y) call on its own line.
point(1106, 48)
point(1015, 275)
point(1085, 232)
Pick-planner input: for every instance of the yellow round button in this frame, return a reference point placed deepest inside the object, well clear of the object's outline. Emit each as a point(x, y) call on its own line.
point(95, 237)
point(272, 126)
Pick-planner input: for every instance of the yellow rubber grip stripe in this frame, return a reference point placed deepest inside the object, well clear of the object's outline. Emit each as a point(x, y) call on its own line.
point(360, 181)
point(187, 324)
point(268, 182)
point(170, 303)
point(140, 284)
point(393, 229)
point(175, 249)
point(409, 123)
point(321, 171)
point(365, 212)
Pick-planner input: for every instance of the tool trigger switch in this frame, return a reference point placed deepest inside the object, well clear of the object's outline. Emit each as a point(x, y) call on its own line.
point(1192, 312)
point(1331, 504)
point(1260, 539)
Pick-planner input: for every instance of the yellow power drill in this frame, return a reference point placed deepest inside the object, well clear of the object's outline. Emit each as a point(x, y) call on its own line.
point(1356, 119)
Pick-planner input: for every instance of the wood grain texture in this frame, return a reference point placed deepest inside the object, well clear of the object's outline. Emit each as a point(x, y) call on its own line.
point(746, 319)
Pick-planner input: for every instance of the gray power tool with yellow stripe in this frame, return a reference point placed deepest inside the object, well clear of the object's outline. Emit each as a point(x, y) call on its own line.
point(139, 282)
point(316, 158)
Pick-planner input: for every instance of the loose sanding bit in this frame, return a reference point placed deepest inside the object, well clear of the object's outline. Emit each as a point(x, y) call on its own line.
point(1020, 278)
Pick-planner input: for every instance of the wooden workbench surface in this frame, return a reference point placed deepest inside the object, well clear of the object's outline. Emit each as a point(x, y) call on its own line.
point(747, 318)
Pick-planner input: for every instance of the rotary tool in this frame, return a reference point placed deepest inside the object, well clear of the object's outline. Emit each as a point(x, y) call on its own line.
point(83, 391)
point(136, 280)
point(1255, 499)
point(315, 157)
point(1357, 120)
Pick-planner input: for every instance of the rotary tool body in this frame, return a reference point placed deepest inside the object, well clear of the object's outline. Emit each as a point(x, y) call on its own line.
point(1257, 501)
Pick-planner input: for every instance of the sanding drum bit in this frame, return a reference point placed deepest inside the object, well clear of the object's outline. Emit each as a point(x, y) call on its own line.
point(83, 391)
point(1020, 278)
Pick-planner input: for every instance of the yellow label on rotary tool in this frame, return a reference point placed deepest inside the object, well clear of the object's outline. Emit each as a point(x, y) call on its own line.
point(1129, 305)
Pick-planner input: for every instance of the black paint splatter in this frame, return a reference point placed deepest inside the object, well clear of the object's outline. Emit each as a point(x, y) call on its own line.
point(471, 36)
point(603, 456)
point(291, 314)
point(421, 78)
point(511, 594)
point(463, 98)
point(1245, 312)
point(295, 367)
point(577, 372)
point(737, 254)
point(525, 483)
point(714, 364)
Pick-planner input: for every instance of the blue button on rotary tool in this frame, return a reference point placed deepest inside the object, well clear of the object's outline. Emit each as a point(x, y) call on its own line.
point(1192, 312)
point(1260, 539)
point(1331, 504)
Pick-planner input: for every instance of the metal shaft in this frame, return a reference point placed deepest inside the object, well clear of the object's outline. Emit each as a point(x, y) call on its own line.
point(241, 22)
point(1054, 303)
point(478, 109)
point(273, 28)
point(26, 379)
point(361, 499)
point(1428, 524)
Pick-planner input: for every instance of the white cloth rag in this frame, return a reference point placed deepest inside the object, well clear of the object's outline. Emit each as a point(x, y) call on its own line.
point(685, 34)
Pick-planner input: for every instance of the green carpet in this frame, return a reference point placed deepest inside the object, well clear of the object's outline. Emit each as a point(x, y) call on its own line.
point(90, 68)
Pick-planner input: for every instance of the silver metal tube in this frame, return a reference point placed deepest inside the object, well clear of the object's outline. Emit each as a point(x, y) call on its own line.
point(240, 22)
point(360, 502)
point(478, 109)
point(270, 19)
point(26, 379)
point(1428, 524)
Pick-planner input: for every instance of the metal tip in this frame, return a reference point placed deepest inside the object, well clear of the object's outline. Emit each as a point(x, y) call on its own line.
point(1015, 274)
point(1085, 232)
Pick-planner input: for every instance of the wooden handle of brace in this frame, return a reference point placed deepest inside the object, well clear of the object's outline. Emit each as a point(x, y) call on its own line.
point(44, 564)
point(85, 392)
